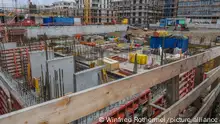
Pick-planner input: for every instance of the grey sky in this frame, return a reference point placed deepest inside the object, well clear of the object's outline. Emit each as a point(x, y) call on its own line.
point(24, 2)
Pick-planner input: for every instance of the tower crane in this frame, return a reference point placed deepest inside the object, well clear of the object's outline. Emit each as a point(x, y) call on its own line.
point(87, 13)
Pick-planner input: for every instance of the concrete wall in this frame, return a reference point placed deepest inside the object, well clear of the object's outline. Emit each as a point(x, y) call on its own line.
point(88, 78)
point(211, 26)
point(38, 58)
point(202, 20)
point(84, 79)
point(71, 30)
point(66, 64)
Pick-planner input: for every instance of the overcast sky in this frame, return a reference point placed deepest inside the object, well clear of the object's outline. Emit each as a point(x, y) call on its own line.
point(24, 2)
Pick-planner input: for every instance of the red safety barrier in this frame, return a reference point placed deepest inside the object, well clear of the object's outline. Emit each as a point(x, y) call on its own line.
point(187, 82)
point(129, 108)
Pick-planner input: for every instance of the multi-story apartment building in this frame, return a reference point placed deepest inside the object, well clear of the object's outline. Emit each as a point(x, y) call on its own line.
point(139, 12)
point(202, 11)
point(100, 10)
point(62, 8)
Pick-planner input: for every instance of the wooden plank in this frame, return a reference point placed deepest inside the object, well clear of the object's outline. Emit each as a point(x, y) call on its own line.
point(80, 104)
point(208, 74)
point(183, 103)
point(207, 105)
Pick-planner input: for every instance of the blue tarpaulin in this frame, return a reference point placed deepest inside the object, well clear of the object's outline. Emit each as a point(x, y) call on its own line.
point(169, 42)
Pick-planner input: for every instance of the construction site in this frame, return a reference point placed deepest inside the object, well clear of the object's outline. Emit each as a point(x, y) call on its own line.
point(107, 62)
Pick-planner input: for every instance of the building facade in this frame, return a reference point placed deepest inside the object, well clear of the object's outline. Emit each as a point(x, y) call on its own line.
point(139, 12)
point(100, 11)
point(200, 11)
point(170, 8)
point(61, 8)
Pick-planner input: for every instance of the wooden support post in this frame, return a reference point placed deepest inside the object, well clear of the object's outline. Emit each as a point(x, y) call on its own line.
point(198, 79)
point(199, 75)
point(173, 90)
point(156, 106)
point(216, 64)
point(150, 108)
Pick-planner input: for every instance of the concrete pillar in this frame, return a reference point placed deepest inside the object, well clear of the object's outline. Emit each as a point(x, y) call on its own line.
point(172, 90)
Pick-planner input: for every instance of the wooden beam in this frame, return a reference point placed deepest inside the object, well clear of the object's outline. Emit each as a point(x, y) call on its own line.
point(183, 103)
point(208, 74)
point(81, 104)
point(207, 105)
point(156, 106)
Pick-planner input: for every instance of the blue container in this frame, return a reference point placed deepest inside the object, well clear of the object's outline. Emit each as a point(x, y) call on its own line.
point(61, 21)
point(47, 21)
point(169, 42)
point(162, 22)
point(177, 22)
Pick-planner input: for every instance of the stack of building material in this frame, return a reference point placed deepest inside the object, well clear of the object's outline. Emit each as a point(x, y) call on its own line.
point(141, 58)
point(209, 66)
point(77, 21)
point(111, 64)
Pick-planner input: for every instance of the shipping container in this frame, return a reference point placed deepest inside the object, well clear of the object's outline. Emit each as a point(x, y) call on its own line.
point(124, 21)
point(182, 22)
point(162, 22)
point(47, 21)
point(61, 21)
point(77, 21)
point(177, 22)
point(141, 58)
point(169, 42)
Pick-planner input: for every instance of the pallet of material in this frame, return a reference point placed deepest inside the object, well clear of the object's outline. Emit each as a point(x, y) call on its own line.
point(111, 64)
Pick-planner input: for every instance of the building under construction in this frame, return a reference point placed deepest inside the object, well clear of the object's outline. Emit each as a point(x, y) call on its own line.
point(140, 12)
point(170, 8)
point(199, 10)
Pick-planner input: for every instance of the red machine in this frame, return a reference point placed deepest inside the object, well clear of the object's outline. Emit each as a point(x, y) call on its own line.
point(27, 22)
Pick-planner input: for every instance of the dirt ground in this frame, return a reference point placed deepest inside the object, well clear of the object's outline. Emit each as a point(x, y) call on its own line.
point(202, 37)
point(197, 36)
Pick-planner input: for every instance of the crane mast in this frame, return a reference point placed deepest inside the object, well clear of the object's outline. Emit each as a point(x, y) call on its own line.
point(87, 12)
